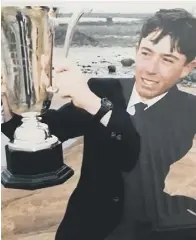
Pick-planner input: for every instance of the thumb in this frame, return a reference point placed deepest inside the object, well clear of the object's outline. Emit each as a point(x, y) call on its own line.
point(61, 69)
point(67, 65)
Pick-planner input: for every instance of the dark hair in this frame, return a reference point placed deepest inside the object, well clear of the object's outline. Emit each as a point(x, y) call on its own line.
point(179, 24)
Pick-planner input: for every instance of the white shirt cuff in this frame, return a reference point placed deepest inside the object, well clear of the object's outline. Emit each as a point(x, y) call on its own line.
point(105, 119)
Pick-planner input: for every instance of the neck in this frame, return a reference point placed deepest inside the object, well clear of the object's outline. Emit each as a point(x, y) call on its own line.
point(145, 99)
point(141, 97)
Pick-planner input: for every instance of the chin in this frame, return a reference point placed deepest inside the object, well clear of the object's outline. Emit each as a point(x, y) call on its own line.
point(146, 93)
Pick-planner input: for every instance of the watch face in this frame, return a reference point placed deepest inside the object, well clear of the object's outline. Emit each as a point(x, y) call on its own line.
point(107, 103)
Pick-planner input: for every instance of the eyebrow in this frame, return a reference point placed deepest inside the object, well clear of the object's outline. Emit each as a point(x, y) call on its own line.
point(164, 54)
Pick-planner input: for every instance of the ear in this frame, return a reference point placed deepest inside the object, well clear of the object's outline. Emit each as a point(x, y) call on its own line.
point(188, 68)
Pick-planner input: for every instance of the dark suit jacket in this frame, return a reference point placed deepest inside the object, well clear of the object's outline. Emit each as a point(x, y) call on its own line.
point(166, 131)
point(95, 206)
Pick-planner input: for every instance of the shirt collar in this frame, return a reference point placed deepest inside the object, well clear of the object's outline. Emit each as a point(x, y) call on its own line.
point(135, 98)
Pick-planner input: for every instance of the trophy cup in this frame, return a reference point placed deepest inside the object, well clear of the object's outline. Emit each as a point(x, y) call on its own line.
point(34, 157)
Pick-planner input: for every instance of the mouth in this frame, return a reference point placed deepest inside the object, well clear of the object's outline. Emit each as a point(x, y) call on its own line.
point(149, 82)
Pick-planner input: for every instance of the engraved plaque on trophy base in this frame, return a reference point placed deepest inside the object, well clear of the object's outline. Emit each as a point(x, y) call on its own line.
point(35, 170)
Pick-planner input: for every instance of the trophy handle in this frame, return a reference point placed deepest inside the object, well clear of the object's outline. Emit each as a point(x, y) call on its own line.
point(67, 43)
point(71, 27)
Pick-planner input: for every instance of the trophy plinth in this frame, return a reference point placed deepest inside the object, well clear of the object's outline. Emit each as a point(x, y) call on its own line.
point(35, 170)
point(34, 156)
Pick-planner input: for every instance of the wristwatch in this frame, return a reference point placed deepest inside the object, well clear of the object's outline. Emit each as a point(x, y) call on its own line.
point(106, 106)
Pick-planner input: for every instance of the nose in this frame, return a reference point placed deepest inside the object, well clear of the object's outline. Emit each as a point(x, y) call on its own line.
point(152, 66)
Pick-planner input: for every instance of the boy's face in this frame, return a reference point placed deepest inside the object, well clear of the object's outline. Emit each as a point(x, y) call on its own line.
point(157, 68)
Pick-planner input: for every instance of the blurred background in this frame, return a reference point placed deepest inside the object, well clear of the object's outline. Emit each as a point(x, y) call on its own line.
point(104, 40)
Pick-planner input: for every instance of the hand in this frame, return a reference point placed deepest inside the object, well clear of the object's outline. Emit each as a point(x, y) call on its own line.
point(72, 83)
point(7, 113)
point(3, 87)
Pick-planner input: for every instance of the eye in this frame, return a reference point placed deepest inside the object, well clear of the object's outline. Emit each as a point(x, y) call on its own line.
point(168, 60)
point(145, 53)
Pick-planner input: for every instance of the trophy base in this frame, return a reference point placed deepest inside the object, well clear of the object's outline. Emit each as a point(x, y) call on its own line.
point(35, 170)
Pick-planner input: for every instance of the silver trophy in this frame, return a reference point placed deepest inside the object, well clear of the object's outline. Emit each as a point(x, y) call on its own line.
point(34, 157)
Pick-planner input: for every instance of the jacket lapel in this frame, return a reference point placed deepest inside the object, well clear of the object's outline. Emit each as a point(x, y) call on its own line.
point(123, 90)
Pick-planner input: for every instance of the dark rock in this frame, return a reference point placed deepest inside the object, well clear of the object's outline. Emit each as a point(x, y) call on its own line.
point(86, 66)
point(112, 68)
point(127, 62)
point(79, 38)
point(109, 20)
point(103, 61)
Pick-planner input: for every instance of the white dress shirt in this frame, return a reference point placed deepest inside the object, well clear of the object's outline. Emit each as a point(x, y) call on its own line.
point(134, 99)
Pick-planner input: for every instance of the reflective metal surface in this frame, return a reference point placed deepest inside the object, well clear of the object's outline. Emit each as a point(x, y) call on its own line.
point(27, 53)
point(27, 45)
point(71, 28)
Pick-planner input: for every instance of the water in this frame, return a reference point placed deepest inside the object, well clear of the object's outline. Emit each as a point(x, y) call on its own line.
point(95, 20)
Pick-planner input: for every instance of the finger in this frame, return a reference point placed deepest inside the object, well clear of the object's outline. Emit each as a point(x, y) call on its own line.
point(3, 88)
point(62, 69)
point(63, 94)
point(66, 96)
point(68, 64)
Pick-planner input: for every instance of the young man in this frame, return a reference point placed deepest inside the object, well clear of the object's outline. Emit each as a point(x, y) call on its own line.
point(167, 125)
point(134, 129)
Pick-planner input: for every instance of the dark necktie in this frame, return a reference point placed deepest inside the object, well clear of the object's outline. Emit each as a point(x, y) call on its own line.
point(139, 108)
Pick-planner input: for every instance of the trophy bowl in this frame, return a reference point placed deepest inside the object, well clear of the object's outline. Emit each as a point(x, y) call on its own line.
point(27, 47)
point(34, 156)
